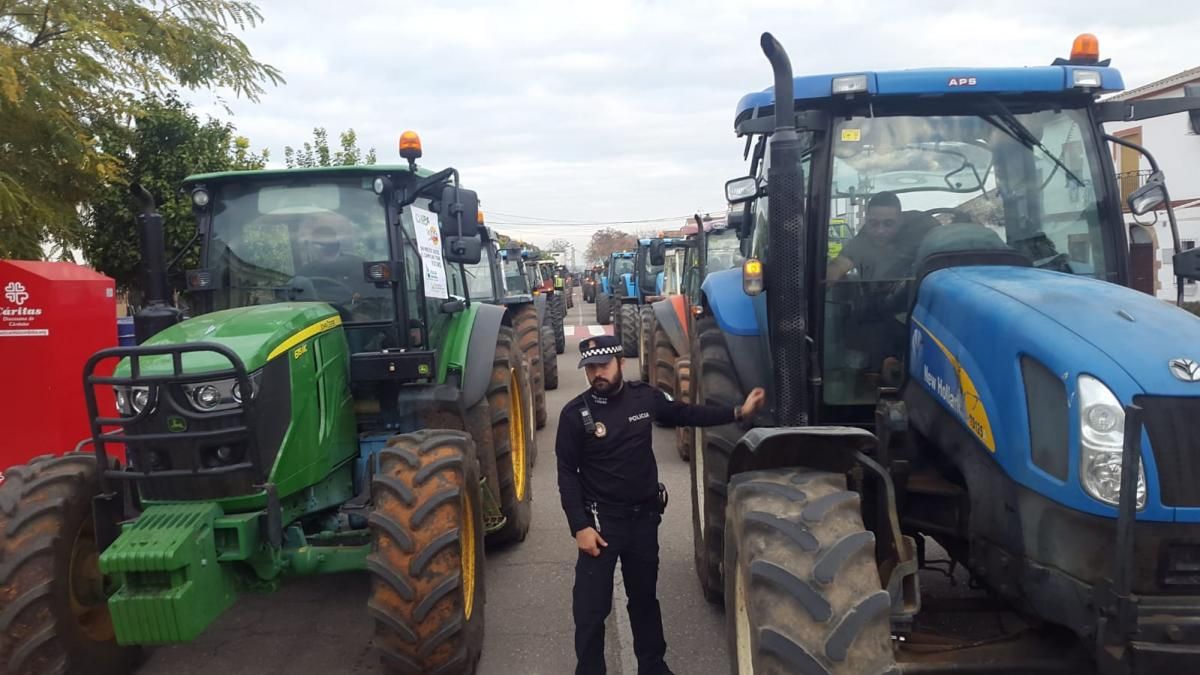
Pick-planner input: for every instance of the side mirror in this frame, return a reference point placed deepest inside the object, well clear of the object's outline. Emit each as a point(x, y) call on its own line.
point(1187, 263)
point(741, 190)
point(464, 249)
point(657, 253)
point(1148, 197)
point(1193, 91)
point(459, 205)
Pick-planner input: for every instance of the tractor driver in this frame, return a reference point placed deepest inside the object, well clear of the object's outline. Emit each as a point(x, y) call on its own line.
point(336, 276)
point(876, 251)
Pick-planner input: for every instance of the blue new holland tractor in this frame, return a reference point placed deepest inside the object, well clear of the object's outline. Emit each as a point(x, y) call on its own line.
point(974, 374)
point(616, 282)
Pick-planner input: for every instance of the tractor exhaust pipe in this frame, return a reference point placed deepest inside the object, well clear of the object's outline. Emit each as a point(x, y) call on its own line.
point(157, 313)
point(786, 274)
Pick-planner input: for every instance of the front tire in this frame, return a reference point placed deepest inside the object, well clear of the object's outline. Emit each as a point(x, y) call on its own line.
point(550, 362)
point(54, 615)
point(559, 314)
point(714, 382)
point(628, 328)
point(646, 325)
point(683, 392)
point(802, 589)
point(426, 562)
point(604, 309)
point(664, 359)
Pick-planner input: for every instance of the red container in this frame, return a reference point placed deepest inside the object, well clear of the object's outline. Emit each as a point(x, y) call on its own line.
point(53, 316)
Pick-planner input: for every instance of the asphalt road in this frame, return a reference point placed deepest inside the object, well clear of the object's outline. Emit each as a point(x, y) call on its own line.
point(320, 624)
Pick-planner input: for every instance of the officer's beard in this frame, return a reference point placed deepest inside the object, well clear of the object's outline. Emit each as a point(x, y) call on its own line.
point(604, 387)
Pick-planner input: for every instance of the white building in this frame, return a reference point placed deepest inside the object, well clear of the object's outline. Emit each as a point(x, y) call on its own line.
point(1176, 147)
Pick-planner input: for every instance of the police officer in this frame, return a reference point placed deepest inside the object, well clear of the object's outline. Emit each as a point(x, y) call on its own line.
point(608, 481)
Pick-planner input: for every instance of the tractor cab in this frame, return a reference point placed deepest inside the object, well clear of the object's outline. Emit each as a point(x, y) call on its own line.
point(322, 235)
point(910, 170)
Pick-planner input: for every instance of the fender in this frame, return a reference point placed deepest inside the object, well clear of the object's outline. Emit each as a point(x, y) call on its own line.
point(481, 351)
point(732, 308)
point(666, 312)
point(823, 448)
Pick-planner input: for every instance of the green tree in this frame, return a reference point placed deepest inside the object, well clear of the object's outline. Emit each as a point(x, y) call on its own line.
point(68, 65)
point(165, 144)
point(318, 153)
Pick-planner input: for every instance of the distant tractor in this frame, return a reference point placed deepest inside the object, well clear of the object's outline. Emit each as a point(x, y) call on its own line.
point(616, 281)
point(333, 403)
point(972, 368)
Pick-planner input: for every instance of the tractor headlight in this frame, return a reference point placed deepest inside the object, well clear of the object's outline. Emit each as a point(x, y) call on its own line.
point(206, 397)
point(1101, 441)
point(122, 394)
point(220, 394)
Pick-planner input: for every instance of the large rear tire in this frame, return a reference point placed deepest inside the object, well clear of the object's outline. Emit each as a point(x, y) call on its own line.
point(802, 590)
point(54, 615)
point(510, 436)
point(646, 325)
point(714, 382)
point(550, 362)
point(628, 328)
point(426, 562)
point(604, 315)
point(528, 334)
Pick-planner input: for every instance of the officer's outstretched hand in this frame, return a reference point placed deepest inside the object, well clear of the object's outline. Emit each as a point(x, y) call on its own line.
point(590, 541)
point(754, 401)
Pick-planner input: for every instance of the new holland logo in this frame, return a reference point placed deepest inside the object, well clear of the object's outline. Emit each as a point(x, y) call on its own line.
point(1185, 369)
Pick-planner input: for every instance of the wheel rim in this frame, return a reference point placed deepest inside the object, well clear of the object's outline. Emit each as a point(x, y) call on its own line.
point(516, 432)
point(86, 596)
point(744, 655)
point(468, 556)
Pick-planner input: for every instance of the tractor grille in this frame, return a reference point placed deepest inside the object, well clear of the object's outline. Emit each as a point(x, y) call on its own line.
point(1171, 425)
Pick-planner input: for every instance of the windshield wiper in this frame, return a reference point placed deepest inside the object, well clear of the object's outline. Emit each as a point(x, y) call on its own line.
point(1006, 121)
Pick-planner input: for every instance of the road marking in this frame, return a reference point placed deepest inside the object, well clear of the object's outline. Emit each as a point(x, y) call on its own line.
point(624, 629)
point(596, 330)
point(569, 331)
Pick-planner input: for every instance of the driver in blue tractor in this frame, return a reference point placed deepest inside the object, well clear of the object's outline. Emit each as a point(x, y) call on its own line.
point(883, 252)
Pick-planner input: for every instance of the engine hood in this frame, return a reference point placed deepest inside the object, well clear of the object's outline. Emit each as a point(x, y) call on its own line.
point(1139, 333)
point(256, 334)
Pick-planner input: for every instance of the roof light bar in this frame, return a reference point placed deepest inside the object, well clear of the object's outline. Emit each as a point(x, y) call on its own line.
point(849, 84)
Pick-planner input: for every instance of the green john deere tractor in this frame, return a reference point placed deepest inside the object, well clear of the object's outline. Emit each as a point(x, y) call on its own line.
point(335, 402)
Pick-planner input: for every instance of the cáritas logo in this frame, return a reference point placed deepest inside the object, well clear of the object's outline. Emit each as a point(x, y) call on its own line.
point(14, 292)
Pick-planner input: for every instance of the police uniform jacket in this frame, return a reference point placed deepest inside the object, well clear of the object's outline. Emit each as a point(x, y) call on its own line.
point(613, 467)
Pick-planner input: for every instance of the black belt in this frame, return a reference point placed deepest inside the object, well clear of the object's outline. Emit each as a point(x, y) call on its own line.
point(624, 511)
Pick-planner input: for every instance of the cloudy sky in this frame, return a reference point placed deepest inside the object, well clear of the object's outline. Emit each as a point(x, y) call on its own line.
point(612, 111)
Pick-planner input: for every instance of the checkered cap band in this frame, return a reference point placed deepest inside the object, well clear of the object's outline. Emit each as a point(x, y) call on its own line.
point(602, 351)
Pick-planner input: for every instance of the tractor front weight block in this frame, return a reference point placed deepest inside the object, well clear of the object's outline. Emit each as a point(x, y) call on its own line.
point(172, 585)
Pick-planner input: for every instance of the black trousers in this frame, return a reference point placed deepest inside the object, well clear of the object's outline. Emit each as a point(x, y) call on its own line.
point(633, 541)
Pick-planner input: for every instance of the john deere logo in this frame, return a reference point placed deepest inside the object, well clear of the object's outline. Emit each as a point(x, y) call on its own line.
point(176, 424)
point(1185, 369)
point(423, 369)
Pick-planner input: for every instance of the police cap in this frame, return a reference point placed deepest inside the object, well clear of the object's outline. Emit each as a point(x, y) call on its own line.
point(599, 349)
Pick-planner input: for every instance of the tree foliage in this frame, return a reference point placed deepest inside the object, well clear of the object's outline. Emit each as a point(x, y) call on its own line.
point(503, 241)
point(558, 245)
point(608, 241)
point(67, 66)
point(318, 153)
point(165, 144)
